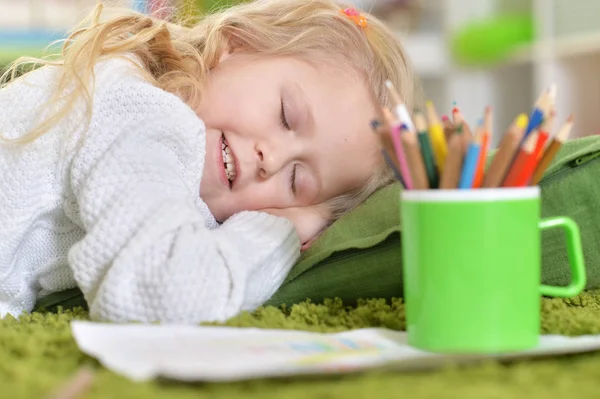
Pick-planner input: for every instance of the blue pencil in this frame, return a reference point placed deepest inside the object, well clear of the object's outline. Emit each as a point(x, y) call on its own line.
point(390, 163)
point(467, 175)
point(140, 6)
point(542, 107)
point(535, 120)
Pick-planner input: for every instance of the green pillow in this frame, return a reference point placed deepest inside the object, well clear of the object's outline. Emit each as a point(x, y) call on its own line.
point(359, 256)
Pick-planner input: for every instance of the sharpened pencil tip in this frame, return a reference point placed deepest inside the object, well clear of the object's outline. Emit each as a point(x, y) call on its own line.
point(570, 118)
point(552, 90)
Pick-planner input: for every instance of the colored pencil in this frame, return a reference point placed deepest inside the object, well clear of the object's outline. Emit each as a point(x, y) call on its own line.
point(458, 119)
point(506, 153)
point(454, 161)
point(414, 158)
point(456, 114)
point(400, 107)
point(381, 129)
point(487, 120)
point(487, 132)
point(398, 148)
point(438, 141)
point(553, 147)
point(470, 162)
point(524, 164)
point(160, 9)
point(426, 150)
point(540, 110)
point(390, 162)
point(386, 148)
point(448, 128)
point(140, 6)
point(545, 131)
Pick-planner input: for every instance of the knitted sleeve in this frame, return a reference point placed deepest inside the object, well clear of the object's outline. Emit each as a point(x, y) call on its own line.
point(147, 254)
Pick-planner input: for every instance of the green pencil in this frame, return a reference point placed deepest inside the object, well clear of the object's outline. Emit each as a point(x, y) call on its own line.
point(426, 149)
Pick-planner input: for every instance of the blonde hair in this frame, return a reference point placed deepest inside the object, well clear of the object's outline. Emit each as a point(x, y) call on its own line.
point(178, 59)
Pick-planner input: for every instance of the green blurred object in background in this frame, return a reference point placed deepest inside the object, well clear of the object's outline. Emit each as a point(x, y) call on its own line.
point(492, 40)
point(211, 5)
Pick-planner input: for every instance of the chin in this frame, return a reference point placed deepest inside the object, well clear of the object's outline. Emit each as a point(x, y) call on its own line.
point(219, 215)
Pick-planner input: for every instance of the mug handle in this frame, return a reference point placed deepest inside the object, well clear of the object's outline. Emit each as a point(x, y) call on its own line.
point(575, 252)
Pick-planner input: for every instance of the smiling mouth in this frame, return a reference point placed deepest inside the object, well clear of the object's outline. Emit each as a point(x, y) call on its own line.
point(228, 161)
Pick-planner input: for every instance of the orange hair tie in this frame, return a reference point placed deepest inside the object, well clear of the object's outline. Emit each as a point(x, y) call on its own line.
point(355, 16)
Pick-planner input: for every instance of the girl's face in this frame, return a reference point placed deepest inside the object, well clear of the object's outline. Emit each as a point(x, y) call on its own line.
point(295, 134)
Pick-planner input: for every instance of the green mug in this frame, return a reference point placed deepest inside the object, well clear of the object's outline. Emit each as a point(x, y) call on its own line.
point(472, 268)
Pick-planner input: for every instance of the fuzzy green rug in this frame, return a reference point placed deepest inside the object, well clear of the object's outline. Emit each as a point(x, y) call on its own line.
point(38, 354)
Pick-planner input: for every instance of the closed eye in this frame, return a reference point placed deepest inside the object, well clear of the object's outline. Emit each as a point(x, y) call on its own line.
point(284, 121)
point(293, 179)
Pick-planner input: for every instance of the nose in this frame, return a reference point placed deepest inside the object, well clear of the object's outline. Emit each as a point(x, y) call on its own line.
point(272, 156)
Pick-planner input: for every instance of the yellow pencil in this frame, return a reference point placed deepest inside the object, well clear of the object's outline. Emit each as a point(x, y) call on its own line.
point(438, 140)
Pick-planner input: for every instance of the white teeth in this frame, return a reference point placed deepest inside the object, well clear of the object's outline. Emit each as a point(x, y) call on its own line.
point(228, 161)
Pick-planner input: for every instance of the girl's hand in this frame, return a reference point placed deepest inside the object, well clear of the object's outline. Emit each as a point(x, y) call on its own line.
point(309, 221)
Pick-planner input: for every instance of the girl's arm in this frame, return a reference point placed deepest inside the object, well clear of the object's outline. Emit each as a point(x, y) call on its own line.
point(147, 254)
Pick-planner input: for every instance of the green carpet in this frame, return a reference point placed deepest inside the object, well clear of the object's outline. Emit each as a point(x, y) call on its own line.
point(38, 355)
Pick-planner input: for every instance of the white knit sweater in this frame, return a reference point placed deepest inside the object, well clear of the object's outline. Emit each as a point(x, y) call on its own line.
point(113, 207)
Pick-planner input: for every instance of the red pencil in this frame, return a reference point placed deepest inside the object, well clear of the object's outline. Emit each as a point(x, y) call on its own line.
point(522, 169)
point(545, 131)
point(487, 132)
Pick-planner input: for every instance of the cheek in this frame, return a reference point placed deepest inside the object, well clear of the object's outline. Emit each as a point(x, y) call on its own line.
point(261, 196)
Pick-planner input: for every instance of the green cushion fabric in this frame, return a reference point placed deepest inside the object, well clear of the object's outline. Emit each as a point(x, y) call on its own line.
point(359, 256)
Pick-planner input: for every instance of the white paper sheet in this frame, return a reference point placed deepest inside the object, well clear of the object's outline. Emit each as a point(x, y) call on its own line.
point(190, 353)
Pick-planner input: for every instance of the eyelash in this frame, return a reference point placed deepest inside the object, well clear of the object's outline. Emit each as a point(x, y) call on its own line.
point(293, 179)
point(286, 125)
point(284, 121)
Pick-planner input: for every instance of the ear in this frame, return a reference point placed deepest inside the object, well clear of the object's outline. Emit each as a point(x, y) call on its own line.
point(235, 43)
point(226, 53)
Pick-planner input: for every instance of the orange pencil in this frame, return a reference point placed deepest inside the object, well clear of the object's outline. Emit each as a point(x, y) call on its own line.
point(485, 142)
point(524, 165)
point(553, 147)
point(506, 153)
